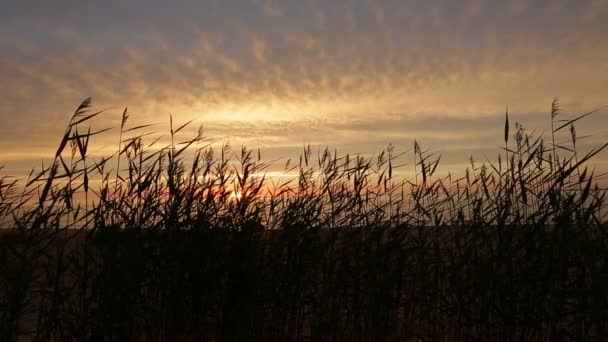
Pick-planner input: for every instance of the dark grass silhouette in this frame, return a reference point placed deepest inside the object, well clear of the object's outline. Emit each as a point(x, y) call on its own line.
point(162, 249)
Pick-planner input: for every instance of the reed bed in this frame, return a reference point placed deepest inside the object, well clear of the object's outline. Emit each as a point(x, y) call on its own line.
point(187, 241)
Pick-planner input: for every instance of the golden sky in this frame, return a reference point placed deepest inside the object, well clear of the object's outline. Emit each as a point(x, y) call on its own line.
point(280, 74)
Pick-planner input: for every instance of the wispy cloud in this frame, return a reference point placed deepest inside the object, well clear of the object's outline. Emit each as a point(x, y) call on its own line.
point(270, 7)
point(518, 7)
point(262, 72)
point(473, 8)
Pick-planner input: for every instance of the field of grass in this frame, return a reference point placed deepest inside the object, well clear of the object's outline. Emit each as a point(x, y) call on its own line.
point(187, 242)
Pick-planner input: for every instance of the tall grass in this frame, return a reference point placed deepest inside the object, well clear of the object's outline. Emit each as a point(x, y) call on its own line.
point(185, 241)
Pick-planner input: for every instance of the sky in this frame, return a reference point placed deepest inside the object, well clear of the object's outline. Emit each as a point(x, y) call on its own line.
point(277, 75)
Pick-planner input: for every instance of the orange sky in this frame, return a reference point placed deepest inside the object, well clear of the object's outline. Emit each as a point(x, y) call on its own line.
point(280, 74)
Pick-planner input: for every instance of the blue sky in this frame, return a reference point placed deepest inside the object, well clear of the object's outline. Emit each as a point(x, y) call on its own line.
point(280, 74)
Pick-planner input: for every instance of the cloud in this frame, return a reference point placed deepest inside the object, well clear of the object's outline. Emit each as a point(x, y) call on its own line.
point(302, 40)
point(518, 7)
point(473, 8)
point(259, 50)
point(356, 74)
point(270, 7)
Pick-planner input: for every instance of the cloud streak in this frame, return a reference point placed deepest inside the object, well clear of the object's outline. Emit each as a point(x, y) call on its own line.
point(257, 70)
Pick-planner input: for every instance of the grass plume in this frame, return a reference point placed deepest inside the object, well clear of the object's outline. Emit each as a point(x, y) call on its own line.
point(185, 241)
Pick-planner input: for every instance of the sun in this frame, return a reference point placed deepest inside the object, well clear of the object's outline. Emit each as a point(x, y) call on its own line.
point(237, 195)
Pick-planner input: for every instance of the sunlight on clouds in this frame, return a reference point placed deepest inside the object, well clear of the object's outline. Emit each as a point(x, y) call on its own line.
point(282, 74)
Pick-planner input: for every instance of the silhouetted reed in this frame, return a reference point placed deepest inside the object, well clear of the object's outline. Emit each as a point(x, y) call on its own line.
point(187, 241)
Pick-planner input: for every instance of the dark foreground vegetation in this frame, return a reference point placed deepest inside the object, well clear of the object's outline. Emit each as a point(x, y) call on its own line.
point(181, 242)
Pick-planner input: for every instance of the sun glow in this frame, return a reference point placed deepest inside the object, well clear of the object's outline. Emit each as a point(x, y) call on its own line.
point(236, 195)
